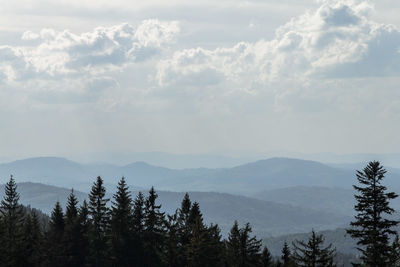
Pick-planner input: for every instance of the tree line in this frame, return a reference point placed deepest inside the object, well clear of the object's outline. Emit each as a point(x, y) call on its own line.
point(133, 231)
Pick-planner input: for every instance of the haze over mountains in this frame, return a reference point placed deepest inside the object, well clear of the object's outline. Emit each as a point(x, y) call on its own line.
point(267, 193)
point(267, 217)
point(247, 179)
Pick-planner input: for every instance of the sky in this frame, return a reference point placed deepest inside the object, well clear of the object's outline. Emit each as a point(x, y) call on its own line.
point(225, 77)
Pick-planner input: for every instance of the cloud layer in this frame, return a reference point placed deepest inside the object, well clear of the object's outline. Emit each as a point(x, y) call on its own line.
point(51, 54)
point(338, 40)
point(202, 77)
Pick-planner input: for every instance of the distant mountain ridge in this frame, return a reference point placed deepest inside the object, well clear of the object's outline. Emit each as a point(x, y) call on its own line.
point(246, 179)
point(266, 217)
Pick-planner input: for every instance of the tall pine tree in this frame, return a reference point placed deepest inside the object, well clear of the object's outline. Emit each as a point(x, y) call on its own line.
point(32, 241)
point(266, 258)
point(138, 230)
point(287, 259)
point(154, 232)
point(12, 220)
point(55, 249)
point(372, 226)
point(121, 226)
point(243, 250)
point(99, 230)
point(72, 236)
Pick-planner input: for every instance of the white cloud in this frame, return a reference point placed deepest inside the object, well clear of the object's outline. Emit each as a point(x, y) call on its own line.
point(338, 40)
point(60, 53)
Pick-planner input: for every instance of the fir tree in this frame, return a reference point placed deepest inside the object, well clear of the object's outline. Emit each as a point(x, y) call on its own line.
point(312, 254)
point(250, 247)
point(372, 227)
point(121, 226)
point(184, 231)
point(154, 232)
point(71, 212)
point(72, 234)
point(287, 260)
point(243, 250)
point(84, 227)
point(266, 258)
point(173, 257)
point(204, 247)
point(12, 220)
point(32, 241)
point(233, 245)
point(99, 218)
point(138, 213)
point(138, 230)
point(55, 255)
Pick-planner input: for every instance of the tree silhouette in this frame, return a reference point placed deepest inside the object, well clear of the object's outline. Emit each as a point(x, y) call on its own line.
point(372, 226)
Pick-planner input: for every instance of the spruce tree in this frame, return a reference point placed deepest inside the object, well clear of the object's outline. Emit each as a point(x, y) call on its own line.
point(184, 231)
point(32, 241)
point(173, 245)
point(243, 250)
point(138, 230)
point(72, 234)
point(287, 260)
point(266, 258)
point(250, 247)
point(121, 226)
point(12, 220)
point(55, 255)
point(84, 227)
point(233, 245)
point(312, 254)
point(154, 231)
point(99, 222)
point(204, 247)
point(372, 226)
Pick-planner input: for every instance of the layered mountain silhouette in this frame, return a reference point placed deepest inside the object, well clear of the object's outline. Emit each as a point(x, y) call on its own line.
point(247, 179)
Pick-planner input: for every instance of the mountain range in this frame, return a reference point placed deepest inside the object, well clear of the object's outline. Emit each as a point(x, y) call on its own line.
point(277, 195)
point(247, 179)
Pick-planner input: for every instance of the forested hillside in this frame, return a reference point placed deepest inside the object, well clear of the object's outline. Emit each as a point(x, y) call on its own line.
point(266, 217)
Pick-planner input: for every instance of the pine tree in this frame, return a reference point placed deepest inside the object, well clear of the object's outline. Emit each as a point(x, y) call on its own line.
point(99, 221)
point(242, 249)
point(72, 234)
point(12, 220)
point(287, 260)
point(195, 248)
point(54, 244)
point(32, 241)
point(71, 212)
point(184, 230)
point(312, 254)
point(84, 227)
point(372, 227)
point(154, 233)
point(173, 245)
point(250, 247)
point(121, 226)
point(266, 258)
point(204, 246)
point(233, 245)
point(138, 230)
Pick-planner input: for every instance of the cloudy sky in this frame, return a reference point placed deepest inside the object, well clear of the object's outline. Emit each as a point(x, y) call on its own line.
point(220, 77)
